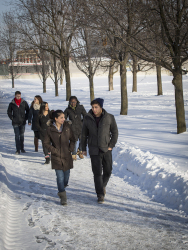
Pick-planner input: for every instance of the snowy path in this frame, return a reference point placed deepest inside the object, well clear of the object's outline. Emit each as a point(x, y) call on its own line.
point(32, 218)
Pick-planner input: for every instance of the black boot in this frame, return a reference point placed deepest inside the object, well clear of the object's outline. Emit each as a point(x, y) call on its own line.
point(47, 160)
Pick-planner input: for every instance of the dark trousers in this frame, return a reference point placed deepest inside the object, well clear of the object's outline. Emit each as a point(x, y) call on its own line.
point(102, 169)
point(19, 136)
point(45, 150)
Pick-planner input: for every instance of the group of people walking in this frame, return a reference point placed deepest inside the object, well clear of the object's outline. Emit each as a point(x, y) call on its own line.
point(60, 131)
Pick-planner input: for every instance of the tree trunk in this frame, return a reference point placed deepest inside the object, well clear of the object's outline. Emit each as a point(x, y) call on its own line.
point(91, 86)
point(61, 76)
point(68, 84)
point(159, 80)
point(134, 88)
point(12, 81)
point(55, 77)
point(124, 97)
point(110, 76)
point(43, 74)
point(179, 102)
point(44, 84)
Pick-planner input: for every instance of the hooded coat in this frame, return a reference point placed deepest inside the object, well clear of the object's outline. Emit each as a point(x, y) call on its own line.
point(76, 117)
point(101, 138)
point(60, 144)
point(18, 115)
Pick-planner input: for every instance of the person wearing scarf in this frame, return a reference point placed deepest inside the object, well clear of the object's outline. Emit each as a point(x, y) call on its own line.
point(18, 111)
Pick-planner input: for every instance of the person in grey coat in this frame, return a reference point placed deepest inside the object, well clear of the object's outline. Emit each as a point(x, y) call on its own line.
point(100, 132)
point(17, 111)
point(76, 112)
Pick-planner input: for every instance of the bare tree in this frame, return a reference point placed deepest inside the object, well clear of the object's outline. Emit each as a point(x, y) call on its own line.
point(9, 44)
point(56, 21)
point(86, 53)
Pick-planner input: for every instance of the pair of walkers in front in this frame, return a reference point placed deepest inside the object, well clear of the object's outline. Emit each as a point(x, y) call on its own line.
point(99, 132)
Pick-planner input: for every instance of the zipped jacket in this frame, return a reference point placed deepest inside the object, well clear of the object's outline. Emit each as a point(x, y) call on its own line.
point(18, 115)
point(60, 144)
point(99, 138)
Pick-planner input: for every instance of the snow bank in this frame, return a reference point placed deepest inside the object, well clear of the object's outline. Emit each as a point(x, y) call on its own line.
point(158, 177)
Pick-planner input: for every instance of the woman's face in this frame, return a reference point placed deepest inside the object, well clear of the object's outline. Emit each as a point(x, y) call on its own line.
point(60, 120)
point(36, 101)
point(73, 102)
point(46, 107)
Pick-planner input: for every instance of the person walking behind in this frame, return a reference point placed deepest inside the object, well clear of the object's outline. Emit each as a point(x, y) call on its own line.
point(60, 140)
point(17, 111)
point(41, 125)
point(76, 112)
point(101, 132)
point(32, 118)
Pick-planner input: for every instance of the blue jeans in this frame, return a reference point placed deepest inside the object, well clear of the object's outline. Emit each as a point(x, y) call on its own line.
point(19, 136)
point(62, 179)
point(75, 147)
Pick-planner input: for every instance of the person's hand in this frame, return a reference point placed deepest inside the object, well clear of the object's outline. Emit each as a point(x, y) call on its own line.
point(29, 123)
point(110, 149)
point(84, 153)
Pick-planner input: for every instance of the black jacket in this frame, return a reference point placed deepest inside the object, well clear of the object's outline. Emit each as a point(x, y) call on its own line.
point(103, 137)
point(76, 117)
point(18, 115)
point(32, 118)
point(41, 125)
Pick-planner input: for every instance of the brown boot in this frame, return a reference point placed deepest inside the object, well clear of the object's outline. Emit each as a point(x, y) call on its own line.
point(79, 153)
point(74, 157)
point(63, 197)
point(36, 143)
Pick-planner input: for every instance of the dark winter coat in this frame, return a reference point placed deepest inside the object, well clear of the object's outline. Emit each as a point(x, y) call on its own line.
point(60, 144)
point(103, 137)
point(76, 117)
point(41, 125)
point(32, 118)
point(18, 115)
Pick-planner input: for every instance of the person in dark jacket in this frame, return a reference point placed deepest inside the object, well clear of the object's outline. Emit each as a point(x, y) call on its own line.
point(41, 125)
point(32, 117)
point(60, 140)
point(101, 132)
point(18, 111)
point(76, 112)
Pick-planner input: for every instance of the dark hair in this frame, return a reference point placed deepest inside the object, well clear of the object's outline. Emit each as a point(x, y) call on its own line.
point(73, 97)
point(39, 98)
point(56, 114)
point(95, 102)
point(42, 108)
point(17, 93)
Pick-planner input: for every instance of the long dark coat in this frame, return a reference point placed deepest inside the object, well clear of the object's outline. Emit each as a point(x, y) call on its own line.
point(103, 137)
point(60, 144)
point(76, 117)
point(32, 118)
point(18, 115)
point(41, 125)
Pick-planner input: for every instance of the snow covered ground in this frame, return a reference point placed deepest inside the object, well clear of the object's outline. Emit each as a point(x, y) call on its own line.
point(146, 206)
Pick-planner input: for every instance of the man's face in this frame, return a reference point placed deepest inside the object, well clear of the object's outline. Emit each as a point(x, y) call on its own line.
point(97, 110)
point(18, 96)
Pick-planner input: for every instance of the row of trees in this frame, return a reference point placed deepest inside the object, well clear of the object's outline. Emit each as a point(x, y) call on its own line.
point(154, 31)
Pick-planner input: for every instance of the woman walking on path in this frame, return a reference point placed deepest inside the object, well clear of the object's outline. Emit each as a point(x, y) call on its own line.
point(60, 141)
point(32, 118)
point(76, 112)
point(41, 124)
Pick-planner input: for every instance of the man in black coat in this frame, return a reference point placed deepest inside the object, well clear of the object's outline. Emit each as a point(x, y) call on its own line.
point(101, 133)
point(17, 111)
point(76, 112)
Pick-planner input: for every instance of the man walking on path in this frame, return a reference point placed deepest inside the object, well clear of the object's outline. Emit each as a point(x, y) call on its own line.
point(18, 111)
point(101, 132)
